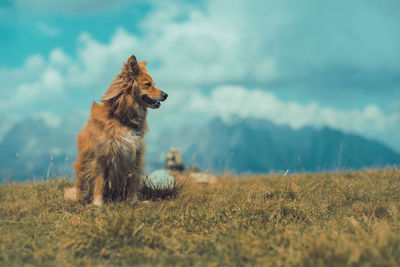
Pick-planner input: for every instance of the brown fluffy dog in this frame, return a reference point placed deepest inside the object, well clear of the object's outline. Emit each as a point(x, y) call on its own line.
point(111, 147)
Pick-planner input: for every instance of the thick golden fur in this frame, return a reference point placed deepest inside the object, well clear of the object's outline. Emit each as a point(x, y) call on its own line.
point(111, 146)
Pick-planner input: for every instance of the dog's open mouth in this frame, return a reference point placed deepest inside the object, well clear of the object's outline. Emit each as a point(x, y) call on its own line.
point(150, 102)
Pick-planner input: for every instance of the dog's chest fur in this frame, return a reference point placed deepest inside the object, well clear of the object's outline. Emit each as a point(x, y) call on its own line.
point(130, 144)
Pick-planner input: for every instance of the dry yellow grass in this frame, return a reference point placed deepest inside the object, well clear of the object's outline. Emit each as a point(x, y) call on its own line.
point(333, 219)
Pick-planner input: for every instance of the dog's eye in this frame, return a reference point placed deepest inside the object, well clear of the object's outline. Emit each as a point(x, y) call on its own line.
point(148, 84)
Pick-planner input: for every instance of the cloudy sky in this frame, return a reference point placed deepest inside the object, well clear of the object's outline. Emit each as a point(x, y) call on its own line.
point(301, 63)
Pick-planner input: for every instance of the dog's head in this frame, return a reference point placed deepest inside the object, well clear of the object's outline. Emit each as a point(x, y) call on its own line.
point(134, 83)
point(145, 90)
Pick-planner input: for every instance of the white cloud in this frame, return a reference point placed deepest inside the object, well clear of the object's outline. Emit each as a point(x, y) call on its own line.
point(42, 81)
point(70, 6)
point(271, 41)
point(48, 86)
point(47, 30)
point(205, 48)
point(190, 47)
point(38, 92)
point(10, 78)
point(58, 58)
point(98, 63)
point(256, 43)
point(50, 118)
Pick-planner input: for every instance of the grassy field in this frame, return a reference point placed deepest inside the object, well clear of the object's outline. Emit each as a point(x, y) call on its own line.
point(335, 219)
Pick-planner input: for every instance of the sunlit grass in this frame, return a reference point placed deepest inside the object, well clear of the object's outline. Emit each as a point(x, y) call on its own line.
point(330, 219)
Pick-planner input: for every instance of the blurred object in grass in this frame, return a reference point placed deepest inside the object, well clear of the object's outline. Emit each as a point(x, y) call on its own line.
point(174, 161)
point(206, 178)
point(159, 184)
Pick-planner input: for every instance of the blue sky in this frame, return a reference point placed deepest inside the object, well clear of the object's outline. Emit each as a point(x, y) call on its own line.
point(302, 63)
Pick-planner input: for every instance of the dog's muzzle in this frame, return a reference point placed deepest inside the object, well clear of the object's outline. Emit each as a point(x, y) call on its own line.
point(152, 103)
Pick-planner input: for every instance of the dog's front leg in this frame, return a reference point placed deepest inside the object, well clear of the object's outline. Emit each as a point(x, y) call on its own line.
point(98, 191)
point(136, 173)
point(132, 187)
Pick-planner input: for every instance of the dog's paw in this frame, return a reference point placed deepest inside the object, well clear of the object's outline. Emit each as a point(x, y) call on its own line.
point(97, 202)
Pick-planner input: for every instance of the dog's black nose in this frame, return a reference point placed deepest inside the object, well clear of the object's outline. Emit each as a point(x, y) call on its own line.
point(164, 95)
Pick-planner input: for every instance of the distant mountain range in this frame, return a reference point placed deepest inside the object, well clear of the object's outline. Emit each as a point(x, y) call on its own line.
point(32, 149)
point(259, 146)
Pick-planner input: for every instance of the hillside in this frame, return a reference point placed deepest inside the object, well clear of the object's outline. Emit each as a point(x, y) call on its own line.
point(259, 146)
point(334, 219)
point(33, 149)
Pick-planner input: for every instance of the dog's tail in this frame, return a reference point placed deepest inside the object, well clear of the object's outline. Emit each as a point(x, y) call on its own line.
point(71, 193)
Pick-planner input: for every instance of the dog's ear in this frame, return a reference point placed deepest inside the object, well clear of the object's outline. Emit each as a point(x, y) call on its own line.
point(133, 66)
point(142, 65)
